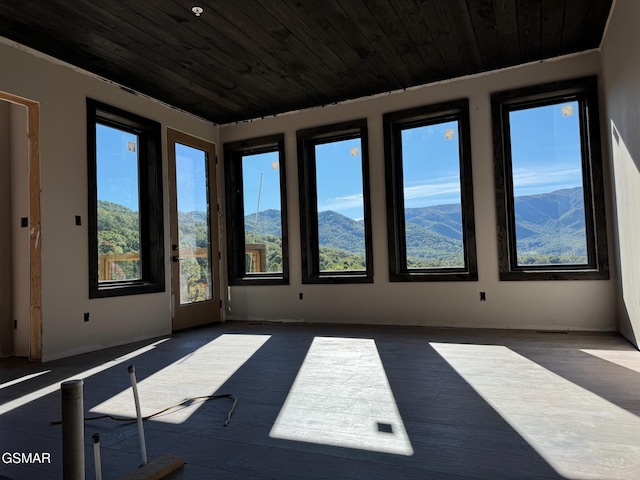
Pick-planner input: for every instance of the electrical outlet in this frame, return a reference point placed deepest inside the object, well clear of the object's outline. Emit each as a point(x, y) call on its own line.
point(15, 324)
point(300, 295)
point(86, 316)
point(483, 297)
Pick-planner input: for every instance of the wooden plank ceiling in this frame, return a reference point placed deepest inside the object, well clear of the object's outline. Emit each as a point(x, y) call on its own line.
point(244, 59)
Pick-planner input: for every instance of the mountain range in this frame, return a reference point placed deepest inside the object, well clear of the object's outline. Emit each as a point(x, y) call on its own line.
point(550, 227)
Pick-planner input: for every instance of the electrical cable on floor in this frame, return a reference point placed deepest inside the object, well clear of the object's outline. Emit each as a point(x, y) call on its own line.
point(206, 398)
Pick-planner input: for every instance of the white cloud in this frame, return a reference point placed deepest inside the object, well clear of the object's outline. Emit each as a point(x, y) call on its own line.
point(343, 202)
point(531, 182)
point(431, 189)
point(545, 176)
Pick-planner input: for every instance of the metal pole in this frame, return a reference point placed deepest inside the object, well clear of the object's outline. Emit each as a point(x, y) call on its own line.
point(134, 385)
point(96, 455)
point(72, 430)
point(255, 222)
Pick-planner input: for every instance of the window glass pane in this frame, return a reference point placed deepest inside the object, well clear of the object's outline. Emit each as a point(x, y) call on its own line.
point(263, 217)
point(193, 224)
point(118, 204)
point(340, 205)
point(432, 199)
point(547, 185)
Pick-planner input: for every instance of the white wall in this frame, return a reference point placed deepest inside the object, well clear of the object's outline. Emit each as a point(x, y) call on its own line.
point(621, 71)
point(575, 305)
point(61, 92)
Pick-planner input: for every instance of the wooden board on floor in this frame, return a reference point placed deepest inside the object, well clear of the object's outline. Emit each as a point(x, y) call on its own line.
point(157, 469)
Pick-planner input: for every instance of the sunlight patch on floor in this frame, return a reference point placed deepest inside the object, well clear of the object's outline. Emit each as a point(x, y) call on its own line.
point(22, 379)
point(30, 397)
point(625, 358)
point(342, 397)
point(569, 426)
point(200, 373)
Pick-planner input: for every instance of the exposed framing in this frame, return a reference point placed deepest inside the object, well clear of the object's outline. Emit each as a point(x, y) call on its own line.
point(35, 240)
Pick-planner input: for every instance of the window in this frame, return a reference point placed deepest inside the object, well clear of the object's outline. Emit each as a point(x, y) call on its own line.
point(550, 201)
point(256, 211)
point(335, 214)
point(430, 194)
point(126, 243)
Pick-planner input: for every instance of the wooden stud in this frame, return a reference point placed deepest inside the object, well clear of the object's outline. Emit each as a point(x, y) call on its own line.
point(35, 259)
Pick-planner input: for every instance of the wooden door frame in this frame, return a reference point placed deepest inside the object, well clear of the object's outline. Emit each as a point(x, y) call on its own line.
point(35, 238)
point(176, 136)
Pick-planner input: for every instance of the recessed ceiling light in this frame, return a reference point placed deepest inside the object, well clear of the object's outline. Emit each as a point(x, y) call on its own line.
point(197, 11)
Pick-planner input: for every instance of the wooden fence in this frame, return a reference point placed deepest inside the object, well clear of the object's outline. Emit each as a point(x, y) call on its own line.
point(110, 270)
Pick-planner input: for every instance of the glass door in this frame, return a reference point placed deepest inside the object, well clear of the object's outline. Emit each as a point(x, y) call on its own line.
point(195, 286)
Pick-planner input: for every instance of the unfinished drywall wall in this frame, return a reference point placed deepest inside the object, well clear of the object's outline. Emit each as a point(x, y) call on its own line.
point(61, 92)
point(574, 305)
point(621, 71)
point(6, 334)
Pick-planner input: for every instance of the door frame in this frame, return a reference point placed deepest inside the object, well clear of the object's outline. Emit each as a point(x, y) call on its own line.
point(35, 237)
point(176, 136)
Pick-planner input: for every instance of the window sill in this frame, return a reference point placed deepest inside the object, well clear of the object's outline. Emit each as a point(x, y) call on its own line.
point(536, 275)
point(259, 280)
point(338, 278)
point(434, 276)
point(119, 289)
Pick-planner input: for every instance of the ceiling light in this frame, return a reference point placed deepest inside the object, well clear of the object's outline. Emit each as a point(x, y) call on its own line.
point(197, 11)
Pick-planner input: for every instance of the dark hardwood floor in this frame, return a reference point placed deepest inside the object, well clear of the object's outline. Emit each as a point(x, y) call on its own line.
point(344, 402)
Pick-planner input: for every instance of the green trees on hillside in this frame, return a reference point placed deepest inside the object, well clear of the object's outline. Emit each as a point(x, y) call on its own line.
point(119, 238)
point(119, 247)
point(118, 229)
point(334, 259)
point(545, 235)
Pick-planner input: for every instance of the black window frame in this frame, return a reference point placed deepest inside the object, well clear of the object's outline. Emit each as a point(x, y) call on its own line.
point(234, 196)
point(393, 124)
point(307, 139)
point(585, 92)
point(150, 191)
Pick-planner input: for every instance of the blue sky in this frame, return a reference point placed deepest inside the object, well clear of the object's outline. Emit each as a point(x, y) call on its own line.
point(117, 166)
point(339, 177)
point(191, 175)
point(431, 165)
point(545, 158)
point(265, 168)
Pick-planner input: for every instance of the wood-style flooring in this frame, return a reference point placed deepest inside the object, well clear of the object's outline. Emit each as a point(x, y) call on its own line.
point(343, 402)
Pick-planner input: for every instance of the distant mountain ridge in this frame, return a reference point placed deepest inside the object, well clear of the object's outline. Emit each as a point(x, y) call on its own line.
point(550, 227)
point(549, 224)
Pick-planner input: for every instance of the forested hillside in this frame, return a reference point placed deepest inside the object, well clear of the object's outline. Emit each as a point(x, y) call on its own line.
point(118, 229)
point(550, 229)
